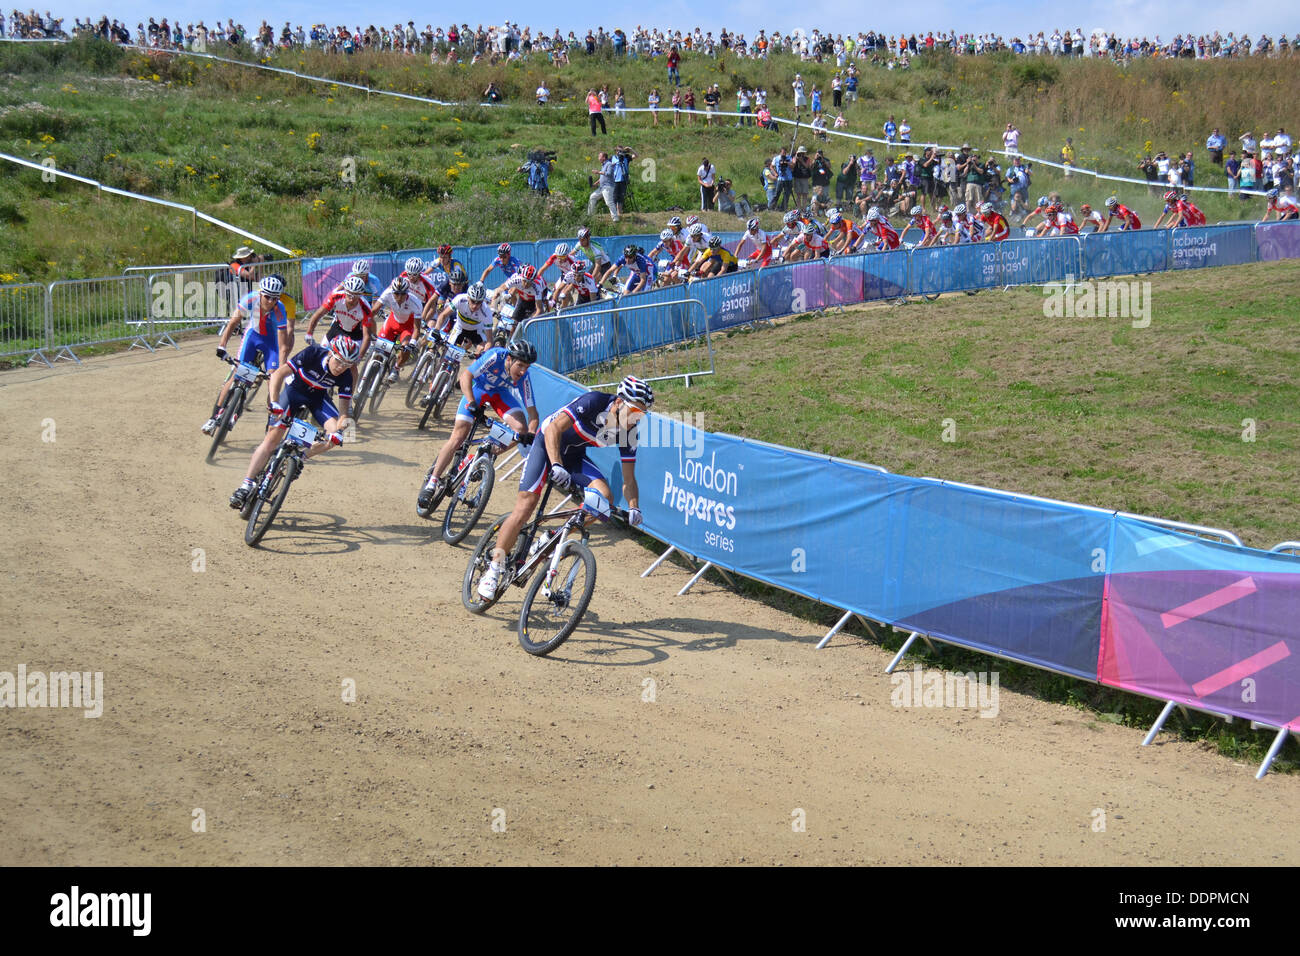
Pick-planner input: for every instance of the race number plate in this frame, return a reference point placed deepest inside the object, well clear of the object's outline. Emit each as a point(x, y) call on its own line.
point(246, 373)
point(455, 353)
point(302, 432)
point(500, 434)
point(381, 345)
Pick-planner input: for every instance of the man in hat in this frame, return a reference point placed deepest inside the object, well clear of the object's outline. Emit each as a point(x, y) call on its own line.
point(801, 173)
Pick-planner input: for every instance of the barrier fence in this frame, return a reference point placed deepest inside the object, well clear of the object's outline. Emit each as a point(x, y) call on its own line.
point(1131, 602)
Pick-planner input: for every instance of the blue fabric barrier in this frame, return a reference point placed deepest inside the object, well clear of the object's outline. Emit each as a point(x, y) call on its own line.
point(1199, 246)
point(1125, 253)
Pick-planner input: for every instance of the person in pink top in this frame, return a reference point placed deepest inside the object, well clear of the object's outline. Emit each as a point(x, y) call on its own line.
point(595, 113)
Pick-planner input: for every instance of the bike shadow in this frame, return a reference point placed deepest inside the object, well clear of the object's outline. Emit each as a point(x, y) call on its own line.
point(641, 643)
point(306, 533)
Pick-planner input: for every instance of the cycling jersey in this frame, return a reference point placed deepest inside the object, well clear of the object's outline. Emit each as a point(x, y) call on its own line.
point(846, 229)
point(719, 255)
point(438, 267)
point(311, 371)
point(694, 247)
point(997, 226)
point(886, 235)
point(421, 285)
point(510, 266)
point(489, 377)
point(593, 253)
point(527, 291)
point(816, 243)
point(565, 262)
point(348, 318)
point(762, 245)
point(1127, 217)
point(267, 322)
point(584, 282)
point(926, 225)
point(1286, 208)
point(1064, 222)
point(401, 317)
point(1188, 214)
point(371, 292)
point(1094, 217)
point(467, 316)
point(669, 247)
point(589, 417)
point(969, 230)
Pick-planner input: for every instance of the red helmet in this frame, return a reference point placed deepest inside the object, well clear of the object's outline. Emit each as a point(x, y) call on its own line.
point(1171, 195)
point(1055, 207)
point(503, 249)
point(444, 250)
point(529, 273)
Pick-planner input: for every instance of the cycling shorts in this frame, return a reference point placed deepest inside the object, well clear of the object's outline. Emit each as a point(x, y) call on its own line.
point(317, 401)
point(393, 329)
point(500, 402)
point(337, 330)
point(538, 466)
point(268, 345)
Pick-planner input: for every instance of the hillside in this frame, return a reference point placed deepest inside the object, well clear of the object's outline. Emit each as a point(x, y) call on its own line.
point(327, 170)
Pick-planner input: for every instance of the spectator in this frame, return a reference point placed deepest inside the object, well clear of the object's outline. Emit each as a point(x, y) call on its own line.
point(492, 94)
point(743, 100)
point(1188, 171)
point(652, 101)
point(620, 103)
point(844, 180)
point(1067, 157)
point(1011, 139)
point(765, 118)
point(904, 133)
point(1151, 171)
point(595, 113)
point(771, 181)
point(543, 94)
point(705, 177)
point(677, 104)
point(821, 178)
point(784, 166)
point(818, 126)
point(816, 101)
point(837, 91)
point(1248, 143)
point(948, 176)
point(1215, 143)
point(674, 59)
point(623, 156)
point(800, 100)
point(604, 186)
point(890, 129)
point(801, 175)
point(728, 203)
point(1232, 169)
point(688, 104)
point(712, 98)
point(1019, 181)
point(1281, 143)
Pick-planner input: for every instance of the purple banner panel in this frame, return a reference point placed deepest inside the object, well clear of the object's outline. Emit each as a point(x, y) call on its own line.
point(1278, 240)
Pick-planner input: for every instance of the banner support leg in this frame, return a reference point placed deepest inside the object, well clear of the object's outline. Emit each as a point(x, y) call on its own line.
point(834, 630)
point(658, 561)
point(698, 574)
point(1273, 751)
point(1160, 722)
point(907, 644)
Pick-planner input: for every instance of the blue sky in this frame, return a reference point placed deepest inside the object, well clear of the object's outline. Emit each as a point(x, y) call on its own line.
point(1127, 17)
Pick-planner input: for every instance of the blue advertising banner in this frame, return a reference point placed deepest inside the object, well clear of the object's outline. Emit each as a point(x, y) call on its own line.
point(955, 268)
point(1198, 246)
point(1125, 253)
point(1038, 261)
point(884, 274)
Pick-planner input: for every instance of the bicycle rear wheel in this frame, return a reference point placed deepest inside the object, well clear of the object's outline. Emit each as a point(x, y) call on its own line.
point(234, 402)
point(268, 505)
point(434, 389)
point(419, 375)
point(468, 499)
point(551, 612)
point(477, 567)
point(380, 390)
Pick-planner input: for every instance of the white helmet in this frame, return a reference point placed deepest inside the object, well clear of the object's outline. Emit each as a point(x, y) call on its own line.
point(834, 216)
point(959, 209)
point(414, 266)
point(562, 250)
point(986, 208)
point(271, 285)
point(790, 217)
point(675, 222)
point(476, 292)
point(354, 285)
point(917, 211)
point(666, 235)
point(361, 267)
point(697, 230)
point(873, 214)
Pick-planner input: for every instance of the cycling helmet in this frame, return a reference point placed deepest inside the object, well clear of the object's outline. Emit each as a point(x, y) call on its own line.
point(477, 293)
point(529, 273)
point(959, 209)
point(1112, 202)
point(523, 351)
point(1085, 208)
point(1171, 195)
point(986, 208)
point(562, 250)
point(675, 222)
point(945, 214)
point(444, 250)
point(1042, 202)
point(715, 242)
point(943, 207)
point(640, 251)
point(361, 267)
point(752, 225)
point(414, 266)
point(873, 214)
point(457, 276)
point(274, 285)
point(808, 229)
point(401, 286)
point(697, 230)
point(1272, 194)
point(636, 392)
point(1055, 207)
point(790, 217)
point(354, 284)
point(664, 236)
point(346, 350)
point(692, 220)
point(629, 252)
point(833, 216)
point(917, 211)
point(584, 233)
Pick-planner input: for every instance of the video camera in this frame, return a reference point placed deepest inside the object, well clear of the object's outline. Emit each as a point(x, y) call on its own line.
point(542, 156)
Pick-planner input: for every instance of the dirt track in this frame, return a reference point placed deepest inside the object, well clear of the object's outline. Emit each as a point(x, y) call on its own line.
point(223, 688)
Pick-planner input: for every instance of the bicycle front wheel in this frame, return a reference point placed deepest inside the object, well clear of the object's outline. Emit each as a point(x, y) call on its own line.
point(419, 375)
point(553, 606)
point(434, 391)
point(268, 505)
point(234, 402)
point(469, 499)
point(477, 567)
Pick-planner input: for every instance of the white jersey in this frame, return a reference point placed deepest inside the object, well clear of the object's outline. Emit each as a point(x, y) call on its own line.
point(583, 281)
point(468, 315)
point(528, 291)
point(404, 312)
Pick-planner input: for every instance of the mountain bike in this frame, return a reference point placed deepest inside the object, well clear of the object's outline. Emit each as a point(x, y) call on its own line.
point(469, 480)
point(505, 326)
point(279, 474)
point(378, 358)
point(555, 565)
point(426, 363)
point(247, 380)
point(443, 382)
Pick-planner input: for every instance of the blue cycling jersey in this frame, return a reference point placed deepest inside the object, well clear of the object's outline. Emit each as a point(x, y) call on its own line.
point(509, 267)
point(591, 426)
point(489, 377)
point(642, 264)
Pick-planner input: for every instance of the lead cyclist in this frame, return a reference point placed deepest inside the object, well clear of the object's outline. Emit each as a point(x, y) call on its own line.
point(559, 455)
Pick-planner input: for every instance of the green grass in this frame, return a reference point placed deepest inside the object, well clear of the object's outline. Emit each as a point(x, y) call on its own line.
point(239, 143)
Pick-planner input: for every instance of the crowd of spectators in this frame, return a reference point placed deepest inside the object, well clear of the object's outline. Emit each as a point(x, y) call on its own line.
point(511, 41)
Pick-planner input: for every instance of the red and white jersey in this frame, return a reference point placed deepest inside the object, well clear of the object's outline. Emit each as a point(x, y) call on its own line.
point(813, 241)
point(762, 241)
point(1125, 215)
point(421, 286)
point(925, 224)
point(1064, 222)
point(403, 312)
point(528, 291)
point(349, 318)
point(1190, 215)
point(886, 235)
point(566, 262)
point(1285, 206)
point(1094, 217)
point(583, 281)
point(694, 247)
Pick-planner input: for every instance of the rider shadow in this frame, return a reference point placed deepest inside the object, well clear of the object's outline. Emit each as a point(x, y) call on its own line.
point(639, 643)
point(314, 533)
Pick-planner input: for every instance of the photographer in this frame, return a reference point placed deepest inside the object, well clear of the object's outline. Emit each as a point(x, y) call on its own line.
point(728, 203)
point(623, 156)
point(604, 187)
point(821, 179)
point(538, 167)
point(785, 179)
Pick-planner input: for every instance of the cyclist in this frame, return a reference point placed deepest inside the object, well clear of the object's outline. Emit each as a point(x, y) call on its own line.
point(808, 245)
point(352, 316)
point(505, 261)
point(560, 257)
point(1061, 223)
point(1282, 203)
point(694, 246)
point(306, 379)
point(444, 263)
point(575, 288)
point(947, 230)
point(762, 241)
point(1091, 217)
point(669, 245)
point(1128, 219)
point(1192, 216)
point(446, 286)
point(421, 285)
point(714, 261)
point(842, 235)
point(497, 379)
point(559, 455)
point(878, 226)
point(270, 337)
point(1040, 209)
point(968, 229)
point(371, 289)
point(468, 318)
point(996, 227)
point(642, 268)
point(402, 307)
point(598, 262)
point(527, 292)
point(692, 222)
point(919, 220)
